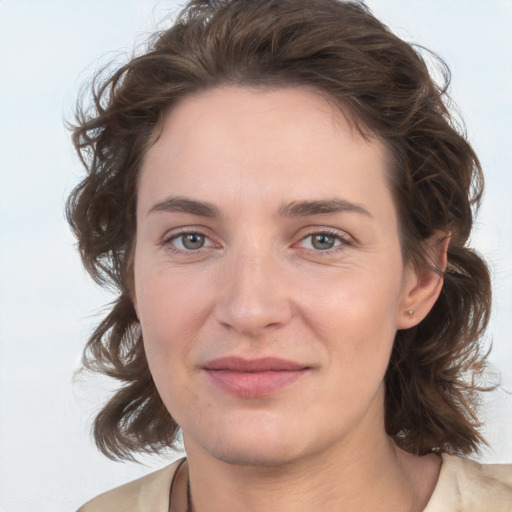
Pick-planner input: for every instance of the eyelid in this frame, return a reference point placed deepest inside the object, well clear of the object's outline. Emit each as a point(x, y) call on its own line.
point(171, 235)
point(343, 237)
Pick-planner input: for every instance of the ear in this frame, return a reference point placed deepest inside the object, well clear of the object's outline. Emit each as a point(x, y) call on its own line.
point(134, 303)
point(422, 285)
point(130, 281)
point(133, 297)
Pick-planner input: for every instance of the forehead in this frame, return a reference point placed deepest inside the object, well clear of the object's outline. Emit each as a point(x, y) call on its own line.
point(235, 141)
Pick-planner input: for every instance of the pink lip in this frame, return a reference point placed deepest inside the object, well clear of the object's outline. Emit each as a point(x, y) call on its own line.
point(252, 378)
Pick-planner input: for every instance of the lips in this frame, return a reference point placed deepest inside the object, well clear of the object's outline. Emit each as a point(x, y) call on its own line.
point(252, 378)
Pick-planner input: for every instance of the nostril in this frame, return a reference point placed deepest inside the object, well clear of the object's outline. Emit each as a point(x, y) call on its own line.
point(250, 315)
point(252, 298)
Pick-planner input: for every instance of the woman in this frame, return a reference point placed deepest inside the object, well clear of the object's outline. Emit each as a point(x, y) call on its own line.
point(278, 192)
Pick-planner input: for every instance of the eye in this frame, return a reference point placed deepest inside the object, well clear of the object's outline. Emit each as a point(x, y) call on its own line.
point(191, 241)
point(187, 242)
point(323, 241)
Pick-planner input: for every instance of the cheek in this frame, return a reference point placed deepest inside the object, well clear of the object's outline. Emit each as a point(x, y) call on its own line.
point(160, 315)
point(355, 317)
point(355, 300)
point(172, 310)
point(161, 320)
point(168, 305)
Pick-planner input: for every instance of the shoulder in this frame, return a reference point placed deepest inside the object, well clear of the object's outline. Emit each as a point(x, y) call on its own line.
point(149, 493)
point(467, 486)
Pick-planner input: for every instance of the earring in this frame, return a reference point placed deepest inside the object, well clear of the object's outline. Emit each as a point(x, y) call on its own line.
point(410, 312)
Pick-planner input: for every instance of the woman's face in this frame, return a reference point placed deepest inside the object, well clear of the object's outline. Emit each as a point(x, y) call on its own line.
point(269, 280)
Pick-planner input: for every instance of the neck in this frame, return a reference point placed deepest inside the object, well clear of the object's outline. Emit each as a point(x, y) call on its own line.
point(378, 477)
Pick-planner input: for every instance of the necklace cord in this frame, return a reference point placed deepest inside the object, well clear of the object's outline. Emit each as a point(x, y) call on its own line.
point(172, 483)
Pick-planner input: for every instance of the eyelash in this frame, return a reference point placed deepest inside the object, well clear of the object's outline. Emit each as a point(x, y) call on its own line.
point(341, 238)
point(168, 242)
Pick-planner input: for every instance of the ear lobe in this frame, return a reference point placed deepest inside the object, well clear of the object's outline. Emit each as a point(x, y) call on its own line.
point(423, 284)
point(133, 298)
point(135, 308)
point(131, 293)
point(130, 281)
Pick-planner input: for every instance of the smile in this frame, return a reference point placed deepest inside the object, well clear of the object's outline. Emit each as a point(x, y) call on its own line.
point(253, 378)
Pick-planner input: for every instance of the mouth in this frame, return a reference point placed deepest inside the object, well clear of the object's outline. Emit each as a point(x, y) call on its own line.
point(253, 378)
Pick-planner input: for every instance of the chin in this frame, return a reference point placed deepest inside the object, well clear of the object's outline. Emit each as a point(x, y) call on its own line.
point(254, 456)
point(263, 444)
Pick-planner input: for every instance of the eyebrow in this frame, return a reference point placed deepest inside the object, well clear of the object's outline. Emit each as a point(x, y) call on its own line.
point(182, 204)
point(326, 206)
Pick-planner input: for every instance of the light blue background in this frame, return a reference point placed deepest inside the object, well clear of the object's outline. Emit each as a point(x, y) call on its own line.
point(47, 304)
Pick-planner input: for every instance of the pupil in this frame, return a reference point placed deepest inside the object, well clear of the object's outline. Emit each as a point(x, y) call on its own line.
point(193, 241)
point(323, 242)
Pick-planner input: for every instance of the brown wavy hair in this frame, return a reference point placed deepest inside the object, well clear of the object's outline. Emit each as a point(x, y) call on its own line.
point(382, 84)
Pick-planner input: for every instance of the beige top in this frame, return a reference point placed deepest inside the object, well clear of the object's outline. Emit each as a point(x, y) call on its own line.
point(463, 486)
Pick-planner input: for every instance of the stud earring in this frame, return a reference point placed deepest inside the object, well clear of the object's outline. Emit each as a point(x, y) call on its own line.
point(410, 312)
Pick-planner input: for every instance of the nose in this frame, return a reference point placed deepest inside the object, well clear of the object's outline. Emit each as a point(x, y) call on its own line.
point(253, 298)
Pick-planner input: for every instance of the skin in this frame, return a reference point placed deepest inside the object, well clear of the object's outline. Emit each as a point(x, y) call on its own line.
point(261, 285)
